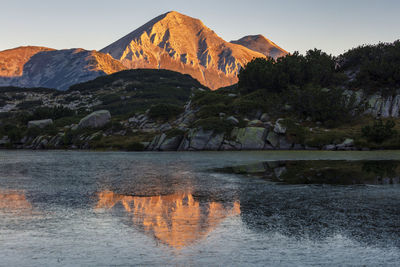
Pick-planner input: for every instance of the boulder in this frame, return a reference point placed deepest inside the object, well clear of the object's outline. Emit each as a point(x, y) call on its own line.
point(4, 140)
point(96, 119)
point(348, 142)
point(215, 142)
point(264, 117)
point(251, 138)
point(255, 123)
point(279, 128)
point(171, 143)
point(329, 147)
point(284, 143)
point(199, 139)
point(40, 123)
point(232, 120)
point(273, 139)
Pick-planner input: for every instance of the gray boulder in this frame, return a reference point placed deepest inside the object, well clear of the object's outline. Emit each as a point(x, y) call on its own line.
point(255, 123)
point(264, 117)
point(215, 142)
point(40, 123)
point(273, 139)
point(251, 138)
point(171, 143)
point(199, 139)
point(279, 128)
point(96, 119)
point(232, 120)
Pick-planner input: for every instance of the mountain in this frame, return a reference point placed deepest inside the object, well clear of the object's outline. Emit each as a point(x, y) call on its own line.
point(62, 68)
point(180, 43)
point(262, 45)
point(12, 61)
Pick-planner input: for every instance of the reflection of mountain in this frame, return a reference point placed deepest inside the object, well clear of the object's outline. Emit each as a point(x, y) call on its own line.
point(14, 201)
point(177, 220)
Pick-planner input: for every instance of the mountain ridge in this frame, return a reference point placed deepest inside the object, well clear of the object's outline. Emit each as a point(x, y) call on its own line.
point(181, 43)
point(171, 41)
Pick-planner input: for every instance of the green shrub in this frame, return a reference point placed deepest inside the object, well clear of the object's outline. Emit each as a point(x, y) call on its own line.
point(135, 146)
point(379, 131)
point(215, 124)
point(165, 111)
point(331, 107)
point(175, 132)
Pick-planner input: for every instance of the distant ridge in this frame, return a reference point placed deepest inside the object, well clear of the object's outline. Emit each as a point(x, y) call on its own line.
point(62, 68)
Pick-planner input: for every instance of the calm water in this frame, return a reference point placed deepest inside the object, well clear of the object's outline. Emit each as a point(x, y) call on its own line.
point(201, 209)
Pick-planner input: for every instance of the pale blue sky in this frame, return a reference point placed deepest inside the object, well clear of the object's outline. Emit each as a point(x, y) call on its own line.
point(333, 26)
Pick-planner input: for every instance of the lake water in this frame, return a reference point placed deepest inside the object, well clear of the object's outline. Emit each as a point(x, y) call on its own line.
point(199, 209)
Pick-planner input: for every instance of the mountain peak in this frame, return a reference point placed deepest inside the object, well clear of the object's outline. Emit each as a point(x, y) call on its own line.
point(181, 43)
point(261, 44)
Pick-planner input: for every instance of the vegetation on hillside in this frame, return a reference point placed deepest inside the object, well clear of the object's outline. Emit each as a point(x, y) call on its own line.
point(374, 68)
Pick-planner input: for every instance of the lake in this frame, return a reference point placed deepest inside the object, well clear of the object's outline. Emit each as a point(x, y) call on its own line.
point(199, 209)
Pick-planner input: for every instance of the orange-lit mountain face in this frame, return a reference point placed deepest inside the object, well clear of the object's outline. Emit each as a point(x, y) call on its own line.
point(12, 61)
point(55, 68)
point(180, 43)
point(262, 45)
point(177, 220)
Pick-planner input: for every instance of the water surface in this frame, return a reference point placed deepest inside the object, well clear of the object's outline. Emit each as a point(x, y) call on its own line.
point(211, 208)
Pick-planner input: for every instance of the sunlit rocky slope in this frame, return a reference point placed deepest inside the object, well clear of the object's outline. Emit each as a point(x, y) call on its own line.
point(180, 43)
point(56, 68)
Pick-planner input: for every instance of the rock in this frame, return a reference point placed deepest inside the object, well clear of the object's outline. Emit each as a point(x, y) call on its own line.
point(188, 119)
point(279, 128)
point(268, 147)
point(165, 127)
point(348, 142)
point(5, 140)
point(199, 139)
point(298, 147)
point(74, 127)
point(251, 138)
point(40, 123)
point(284, 143)
point(329, 147)
point(221, 115)
point(184, 146)
point(215, 142)
point(96, 119)
point(171, 143)
point(232, 120)
point(273, 139)
point(255, 123)
point(279, 171)
point(264, 117)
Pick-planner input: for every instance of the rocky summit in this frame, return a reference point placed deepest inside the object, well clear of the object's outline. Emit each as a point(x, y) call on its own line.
point(261, 44)
point(184, 44)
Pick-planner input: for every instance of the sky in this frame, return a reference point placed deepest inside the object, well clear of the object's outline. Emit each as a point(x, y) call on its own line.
point(296, 25)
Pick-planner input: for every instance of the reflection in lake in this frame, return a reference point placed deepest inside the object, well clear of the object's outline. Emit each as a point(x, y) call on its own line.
point(14, 202)
point(323, 172)
point(177, 220)
point(146, 209)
